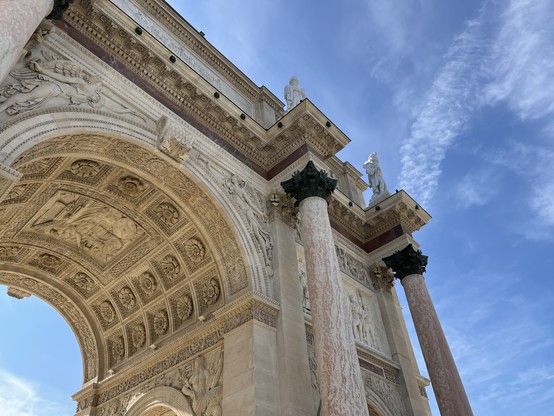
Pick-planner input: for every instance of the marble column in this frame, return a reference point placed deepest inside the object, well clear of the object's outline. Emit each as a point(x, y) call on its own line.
point(409, 265)
point(340, 380)
point(18, 20)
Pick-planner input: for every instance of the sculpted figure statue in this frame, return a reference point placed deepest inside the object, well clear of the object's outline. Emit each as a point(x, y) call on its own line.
point(42, 80)
point(204, 387)
point(256, 217)
point(375, 178)
point(293, 93)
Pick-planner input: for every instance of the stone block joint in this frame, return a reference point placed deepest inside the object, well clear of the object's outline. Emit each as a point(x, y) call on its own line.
point(309, 182)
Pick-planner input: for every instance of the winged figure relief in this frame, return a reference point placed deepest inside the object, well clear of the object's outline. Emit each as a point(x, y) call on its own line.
point(42, 80)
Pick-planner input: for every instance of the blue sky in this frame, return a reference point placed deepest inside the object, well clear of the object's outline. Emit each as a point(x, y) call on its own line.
point(457, 98)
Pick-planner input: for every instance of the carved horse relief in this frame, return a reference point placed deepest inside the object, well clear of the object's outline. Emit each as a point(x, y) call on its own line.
point(91, 226)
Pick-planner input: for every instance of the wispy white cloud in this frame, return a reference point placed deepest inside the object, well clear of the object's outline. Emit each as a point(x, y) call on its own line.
point(512, 65)
point(522, 60)
point(20, 397)
point(477, 188)
point(444, 113)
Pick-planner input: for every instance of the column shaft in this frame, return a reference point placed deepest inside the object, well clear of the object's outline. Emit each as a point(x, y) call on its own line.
point(342, 392)
point(445, 379)
point(18, 20)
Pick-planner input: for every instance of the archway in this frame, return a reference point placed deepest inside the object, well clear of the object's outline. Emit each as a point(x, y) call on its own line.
point(161, 401)
point(123, 238)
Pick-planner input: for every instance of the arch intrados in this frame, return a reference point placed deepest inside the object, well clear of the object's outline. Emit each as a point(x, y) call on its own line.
point(76, 316)
point(182, 187)
point(161, 397)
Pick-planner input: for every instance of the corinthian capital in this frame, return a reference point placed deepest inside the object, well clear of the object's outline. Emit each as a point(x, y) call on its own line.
point(309, 182)
point(60, 6)
point(406, 262)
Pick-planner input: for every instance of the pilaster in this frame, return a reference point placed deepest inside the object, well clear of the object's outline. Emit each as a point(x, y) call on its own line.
point(294, 368)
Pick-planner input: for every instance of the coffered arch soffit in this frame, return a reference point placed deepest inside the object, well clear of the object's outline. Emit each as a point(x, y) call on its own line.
point(140, 250)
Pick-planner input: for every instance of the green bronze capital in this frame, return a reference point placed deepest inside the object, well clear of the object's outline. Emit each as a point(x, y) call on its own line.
point(60, 6)
point(309, 182)
point(406, 262)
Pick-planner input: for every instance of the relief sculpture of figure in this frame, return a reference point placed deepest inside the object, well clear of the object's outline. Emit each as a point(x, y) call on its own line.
point(204, 387)
point(293, 93)
point(375, 178)
point(42, 80)
point(256, 217)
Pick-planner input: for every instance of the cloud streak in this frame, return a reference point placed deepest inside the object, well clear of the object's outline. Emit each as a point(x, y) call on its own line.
point(506, 60)
point(19, 397)
point(444, 113)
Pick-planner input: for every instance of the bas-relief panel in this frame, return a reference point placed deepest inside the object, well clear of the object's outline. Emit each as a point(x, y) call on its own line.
point(45, 79)
point(94, 228)
point(367, 323)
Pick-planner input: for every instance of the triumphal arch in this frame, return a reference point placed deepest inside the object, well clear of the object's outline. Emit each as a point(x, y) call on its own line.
point(210, 252)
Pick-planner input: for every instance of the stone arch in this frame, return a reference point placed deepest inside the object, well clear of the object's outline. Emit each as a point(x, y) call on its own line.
point(80, 322)
point(161, 398)
point(377, 405)
point(29, 130)
point(56, 214)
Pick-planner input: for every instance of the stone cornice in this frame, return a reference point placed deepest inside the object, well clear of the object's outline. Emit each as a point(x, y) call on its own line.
point(145, 61)
point(364, 225)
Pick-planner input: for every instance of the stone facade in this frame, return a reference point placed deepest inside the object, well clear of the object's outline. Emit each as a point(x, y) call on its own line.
point(141, 198)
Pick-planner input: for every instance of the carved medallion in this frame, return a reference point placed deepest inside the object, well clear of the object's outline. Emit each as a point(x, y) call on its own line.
point(85, 168)
point(49, 261)
point(184, 307)
point(148, 283)
point(167, 213)
point(210, 291)
point(118, 349)
point(9, 251)
point(195, 250)
point(138, 335)
point(83, 281)
point(131, 186)
point(170, 266)
point(161, 322)
point(107, 311)
point(126, 297)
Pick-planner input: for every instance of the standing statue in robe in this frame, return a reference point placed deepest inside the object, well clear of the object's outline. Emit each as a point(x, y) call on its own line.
point(293, 94)
point(375, 178)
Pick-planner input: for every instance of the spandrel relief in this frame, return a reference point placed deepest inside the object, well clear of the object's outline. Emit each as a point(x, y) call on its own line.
point(94, 228)
point(256, 214)
point(203, 385)
point(46, 79)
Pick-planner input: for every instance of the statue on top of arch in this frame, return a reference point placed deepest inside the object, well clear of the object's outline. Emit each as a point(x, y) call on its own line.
point(375, 179)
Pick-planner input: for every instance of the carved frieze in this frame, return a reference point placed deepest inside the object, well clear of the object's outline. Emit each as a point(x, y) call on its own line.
point(91, 226)
point(353, 267)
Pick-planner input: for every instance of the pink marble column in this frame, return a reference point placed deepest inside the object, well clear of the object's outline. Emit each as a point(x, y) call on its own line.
point(18, 20)
point(340, 380)
point(408, 265)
